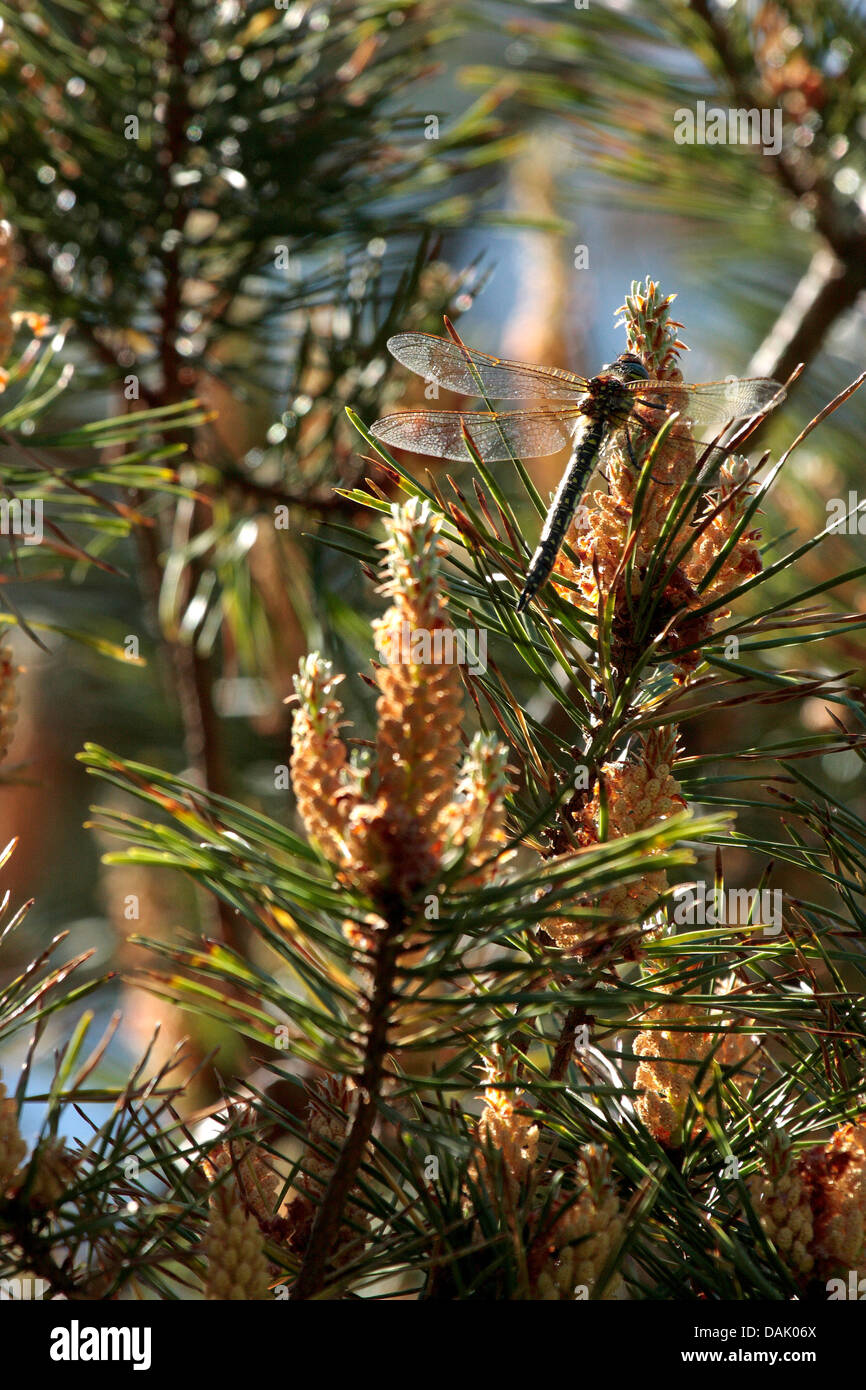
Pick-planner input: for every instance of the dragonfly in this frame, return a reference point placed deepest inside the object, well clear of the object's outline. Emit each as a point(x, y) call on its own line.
point(584, 414)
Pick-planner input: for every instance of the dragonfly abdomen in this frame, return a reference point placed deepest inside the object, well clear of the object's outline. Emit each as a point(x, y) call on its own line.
point(562, 509)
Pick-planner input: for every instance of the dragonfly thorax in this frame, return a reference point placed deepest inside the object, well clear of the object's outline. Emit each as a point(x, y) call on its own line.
point(608, 397)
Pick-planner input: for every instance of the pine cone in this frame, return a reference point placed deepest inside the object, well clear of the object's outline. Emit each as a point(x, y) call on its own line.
point(55, 1172)
point(673, 1057)
point(784, 1209)
point(813, 1208)
point(319, 758)
point(838, 1179)
point(237, 1268)
point(572, 1255)
point(392, 841)
point(639, 793)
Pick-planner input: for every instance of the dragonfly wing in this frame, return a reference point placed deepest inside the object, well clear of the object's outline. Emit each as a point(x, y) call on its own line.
point(709, 404)
point(496, 437)
point(475, 374)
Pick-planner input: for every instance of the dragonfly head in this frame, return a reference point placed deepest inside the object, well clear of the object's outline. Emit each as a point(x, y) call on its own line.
point(629, 367)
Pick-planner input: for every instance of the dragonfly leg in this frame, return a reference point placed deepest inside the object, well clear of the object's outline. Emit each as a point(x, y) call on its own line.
point(664, 482)
point(631, 454)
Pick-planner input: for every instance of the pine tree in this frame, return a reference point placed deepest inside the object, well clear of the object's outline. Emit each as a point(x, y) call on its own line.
point(488, 910)
point(544, 979)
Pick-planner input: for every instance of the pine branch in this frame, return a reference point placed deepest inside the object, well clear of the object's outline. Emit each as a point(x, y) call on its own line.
point(312, 1274)
point(837, 273)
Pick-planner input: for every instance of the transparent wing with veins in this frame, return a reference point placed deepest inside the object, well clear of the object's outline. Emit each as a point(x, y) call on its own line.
point(710, 404)
point(496, 436)
point(469, 373)
point(544, 430)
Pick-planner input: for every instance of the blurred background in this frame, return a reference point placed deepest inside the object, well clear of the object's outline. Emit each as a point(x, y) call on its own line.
point(240, 203)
